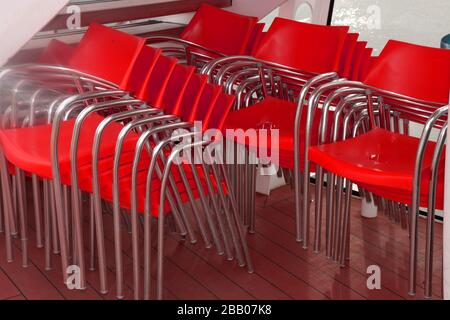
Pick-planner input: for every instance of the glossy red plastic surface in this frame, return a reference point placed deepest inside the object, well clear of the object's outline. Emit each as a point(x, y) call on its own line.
point(381, 161)
point(412, 70)
point(279, 114)
point(303, 46)
point(365, 63)
point(209, 96)
point(141, 69)
point(255, 39)
point(107, 53)
point(57, 53)
point(357, 59)
point(348, 51)
point(219, 112)
point(367, 67)
point(176, 88)
point(220, 30)
point(29, 148)
point(156, 82)
point(191, 98)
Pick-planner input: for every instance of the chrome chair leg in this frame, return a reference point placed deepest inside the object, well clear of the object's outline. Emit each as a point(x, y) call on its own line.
point(7, 206)
point(318, 209)
point(22, 216)
point(345, 236)
point(47, 225)
point(329, 212)
point(37, 210)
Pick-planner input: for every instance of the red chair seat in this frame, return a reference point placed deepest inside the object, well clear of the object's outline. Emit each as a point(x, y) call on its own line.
point(279, 114)
point(106, 187)
point(29, 148)
point(379, 161)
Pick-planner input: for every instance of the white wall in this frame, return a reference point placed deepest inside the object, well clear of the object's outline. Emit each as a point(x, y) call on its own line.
point(21, 19)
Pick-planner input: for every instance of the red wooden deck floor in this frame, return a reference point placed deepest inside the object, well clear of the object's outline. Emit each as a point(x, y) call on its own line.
point(283, 270)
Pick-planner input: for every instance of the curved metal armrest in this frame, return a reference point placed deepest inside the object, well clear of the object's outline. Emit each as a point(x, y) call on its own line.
point(185, 43)
point(29, 69)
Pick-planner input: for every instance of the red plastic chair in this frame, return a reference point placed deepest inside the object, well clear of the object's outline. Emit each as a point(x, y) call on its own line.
point(101, 48)
point(220, 30)
point(317, 50)
point(57, 53)
point(321, 54)
point(109, 47)
point(384, 162)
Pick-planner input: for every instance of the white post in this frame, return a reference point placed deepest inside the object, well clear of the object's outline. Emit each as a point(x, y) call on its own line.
point(368, 209)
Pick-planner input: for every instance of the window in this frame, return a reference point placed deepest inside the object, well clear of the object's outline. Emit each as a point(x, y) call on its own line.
point(422, 21)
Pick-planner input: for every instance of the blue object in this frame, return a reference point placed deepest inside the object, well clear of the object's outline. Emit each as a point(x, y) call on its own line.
point(445, 42)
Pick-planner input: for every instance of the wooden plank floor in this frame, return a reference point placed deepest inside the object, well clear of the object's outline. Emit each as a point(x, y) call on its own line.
point(283, 270)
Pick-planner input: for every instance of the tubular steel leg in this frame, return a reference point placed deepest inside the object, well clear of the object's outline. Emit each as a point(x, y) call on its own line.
point(7, 206)
point(22, 217)
point(252, 198)
point(240, 225)
point(160, 259)
point(231, 224)
point(413, 252)
point(206, 209)
point(337, 217)
point(330, 220)
point(318, 209)
point(429, 253)
point(37, 210)
point(346, 222)
point(54, 237)
point(91, 234)
point(306, 208)
point(195, 209)
point(47, 226)
point(219, 216)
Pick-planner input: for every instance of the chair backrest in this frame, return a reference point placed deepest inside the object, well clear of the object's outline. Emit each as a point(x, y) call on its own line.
point(219, 112)
point(176, 87)
point(107, 53)
point(364, 67)
point(345, 64)
point(191, 97)
point(156, 82)
point(368, 67)
point(208, 98)
point(142, 67)
point(220, 30)
point(255, 39)
point(357, 59)
point(304, 46)
point(412, 70)
point(57, 53)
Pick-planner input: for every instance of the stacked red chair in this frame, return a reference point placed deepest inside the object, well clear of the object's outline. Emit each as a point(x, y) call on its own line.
point(73, 149)
point(281, 74)
point(212, 33)
point(380, 156)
